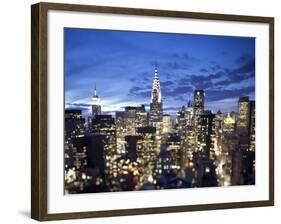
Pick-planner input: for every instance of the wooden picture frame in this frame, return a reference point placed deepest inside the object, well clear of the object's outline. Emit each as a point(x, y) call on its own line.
point(39, 105)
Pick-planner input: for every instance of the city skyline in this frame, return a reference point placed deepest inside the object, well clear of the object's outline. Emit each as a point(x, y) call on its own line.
point(166, 131)
point(180, 71)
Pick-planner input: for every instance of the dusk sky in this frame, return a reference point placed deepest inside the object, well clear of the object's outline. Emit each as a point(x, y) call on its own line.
point(121, 64)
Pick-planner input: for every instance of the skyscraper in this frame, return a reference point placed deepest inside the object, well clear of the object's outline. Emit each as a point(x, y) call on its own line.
point(174, 147)
point(125, 125)
point(146, 151)
point(156, 104)
point(156, 109)
point(105, 125)
point(252, 129)
point(207, 133)
point(229, 125)
point(74, 123)
point(96, 106)
point(199, 101)
point(189, 113)
point(243, 117)
point(167, 124)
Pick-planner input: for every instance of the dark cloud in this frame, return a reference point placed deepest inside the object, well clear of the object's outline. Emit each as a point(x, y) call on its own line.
point(185, 56)
point(245, 72)
point(177, 66)
point(141, 77)
point(201, 81)
point(77, 68)
point(203, 70)
point(166, 83)
point(242, 59)
point(180, 98)
point(139, 92)
point(216, 94)
point(180, 90)
point(169, 75)
point(247, 67)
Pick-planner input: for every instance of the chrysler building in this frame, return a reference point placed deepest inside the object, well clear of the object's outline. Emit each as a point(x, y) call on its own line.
point(156, 103)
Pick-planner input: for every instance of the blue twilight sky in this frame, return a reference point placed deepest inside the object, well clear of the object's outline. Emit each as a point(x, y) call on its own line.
point(121, 64)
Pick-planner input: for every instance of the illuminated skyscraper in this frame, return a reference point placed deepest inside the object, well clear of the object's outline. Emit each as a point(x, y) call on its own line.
point(74, 127)
point(181, 121)
point(156, 109)
point(125, 125)
point(167, 124)
point(74, 123)
point(207, 133)
point(141, 117)
point(105, 125)
point(199, 101)
point(96, 106)
point(189, 113)
point(146, 151)
point(174, 147)
point(127, 122)
point(156, 104)
point(229, 125)
point(252, 130)
point(243, 118)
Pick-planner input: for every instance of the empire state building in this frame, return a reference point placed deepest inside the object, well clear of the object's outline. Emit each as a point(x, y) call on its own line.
point(96, 104)
point(156, 103)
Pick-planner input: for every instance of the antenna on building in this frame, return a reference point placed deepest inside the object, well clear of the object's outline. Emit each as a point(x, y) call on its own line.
point(95, 91)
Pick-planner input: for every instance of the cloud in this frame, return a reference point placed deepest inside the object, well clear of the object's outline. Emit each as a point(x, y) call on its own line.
point(181, 61)
point(203, 70)
point(177, 66)
point(246, 71)
point(242, 59)
point(200, 81)
point(135, 89)
point(185, 56)
point(219, 94)
point(166, 83)
point(142, 77)
point(142, 94)
point(179, 90)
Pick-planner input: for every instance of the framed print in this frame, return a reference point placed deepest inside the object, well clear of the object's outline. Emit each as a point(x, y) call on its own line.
point(139, 111)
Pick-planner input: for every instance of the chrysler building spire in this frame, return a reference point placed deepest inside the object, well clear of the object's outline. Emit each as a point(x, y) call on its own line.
point(156, 90)
point(156, 105)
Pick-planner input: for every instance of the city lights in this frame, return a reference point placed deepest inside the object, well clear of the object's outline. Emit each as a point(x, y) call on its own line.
point(136, 149)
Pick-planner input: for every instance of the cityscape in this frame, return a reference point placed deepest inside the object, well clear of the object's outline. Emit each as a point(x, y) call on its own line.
point(156, 111)
point(148, 150)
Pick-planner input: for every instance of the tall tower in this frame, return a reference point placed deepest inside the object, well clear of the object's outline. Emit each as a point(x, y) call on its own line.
point(199, 100)
point(243, 118)
point(156, 104)
point(96, 106)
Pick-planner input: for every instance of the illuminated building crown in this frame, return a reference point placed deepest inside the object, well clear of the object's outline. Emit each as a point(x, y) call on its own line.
point(156, 90)
point(96, 99)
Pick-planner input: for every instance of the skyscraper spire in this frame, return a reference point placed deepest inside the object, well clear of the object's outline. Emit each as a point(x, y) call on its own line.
point(95, 90)
point(156, 110)
point(96, 105)
point(156, 90)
